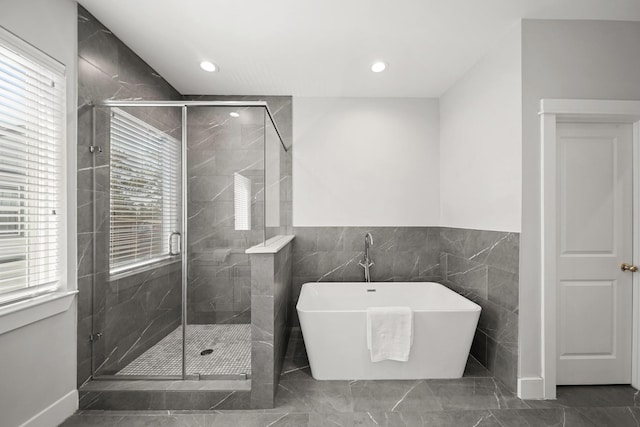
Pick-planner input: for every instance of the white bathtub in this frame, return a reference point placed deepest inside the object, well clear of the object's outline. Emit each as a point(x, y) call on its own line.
point(333, 321)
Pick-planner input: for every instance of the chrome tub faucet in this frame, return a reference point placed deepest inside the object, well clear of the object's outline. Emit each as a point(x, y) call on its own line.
point(366, 262)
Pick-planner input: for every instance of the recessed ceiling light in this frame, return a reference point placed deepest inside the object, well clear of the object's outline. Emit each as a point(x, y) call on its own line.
point(378, 67)
point(234, 114)
point(209, 66)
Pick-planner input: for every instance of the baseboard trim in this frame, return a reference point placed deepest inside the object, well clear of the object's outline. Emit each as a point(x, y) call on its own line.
point(55, 413)
point(531, 388)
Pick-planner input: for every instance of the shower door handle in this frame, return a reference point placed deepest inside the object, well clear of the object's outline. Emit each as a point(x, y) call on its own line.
point(171, 236)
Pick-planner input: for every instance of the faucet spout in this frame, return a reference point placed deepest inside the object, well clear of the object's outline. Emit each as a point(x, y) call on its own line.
point(366, 262)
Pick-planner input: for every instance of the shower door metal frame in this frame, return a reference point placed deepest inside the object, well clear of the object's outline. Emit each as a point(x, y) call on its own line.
point(184, 105)
point(239, 104)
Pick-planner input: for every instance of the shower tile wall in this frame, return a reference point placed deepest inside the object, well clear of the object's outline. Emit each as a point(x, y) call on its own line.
point(282, 109)
point(484, 266)
point(132, 313)
point(219, 286)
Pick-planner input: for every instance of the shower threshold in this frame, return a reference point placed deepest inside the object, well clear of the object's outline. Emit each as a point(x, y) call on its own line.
point(119, 384)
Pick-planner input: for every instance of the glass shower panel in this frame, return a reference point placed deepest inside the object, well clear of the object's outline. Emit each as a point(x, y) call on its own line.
point(275, 181)
point(135, 243)
point(225, 211)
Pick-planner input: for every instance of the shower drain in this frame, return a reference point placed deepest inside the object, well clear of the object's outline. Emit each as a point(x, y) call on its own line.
point(206, 352)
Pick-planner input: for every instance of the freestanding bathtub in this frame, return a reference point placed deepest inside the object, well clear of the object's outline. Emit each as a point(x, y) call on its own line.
point(333, 321)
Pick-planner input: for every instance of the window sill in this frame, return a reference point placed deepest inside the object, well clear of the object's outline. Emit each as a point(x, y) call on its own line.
point(22, 313)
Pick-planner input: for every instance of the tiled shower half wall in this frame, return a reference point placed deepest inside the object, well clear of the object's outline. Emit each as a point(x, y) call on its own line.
point(481, 265)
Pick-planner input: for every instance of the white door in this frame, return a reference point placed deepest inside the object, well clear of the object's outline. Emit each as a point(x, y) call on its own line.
point(594, 218)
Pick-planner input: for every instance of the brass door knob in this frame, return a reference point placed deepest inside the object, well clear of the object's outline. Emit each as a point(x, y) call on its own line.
point(628, 267)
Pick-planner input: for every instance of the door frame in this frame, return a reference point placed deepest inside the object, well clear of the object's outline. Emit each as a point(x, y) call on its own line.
point(553, 111)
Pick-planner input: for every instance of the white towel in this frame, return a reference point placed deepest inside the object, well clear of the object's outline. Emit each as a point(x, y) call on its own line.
point(389, 333)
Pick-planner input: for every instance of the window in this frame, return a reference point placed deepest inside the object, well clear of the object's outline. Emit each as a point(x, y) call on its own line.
point(144, 169)
point(242, 202)
point(32, 135)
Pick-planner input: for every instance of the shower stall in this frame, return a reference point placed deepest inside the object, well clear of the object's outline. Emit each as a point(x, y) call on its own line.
point(181, 189)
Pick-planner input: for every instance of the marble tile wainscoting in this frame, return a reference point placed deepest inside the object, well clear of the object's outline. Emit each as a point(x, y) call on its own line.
point(331, 254)
point(146, 303)
point(481, 265)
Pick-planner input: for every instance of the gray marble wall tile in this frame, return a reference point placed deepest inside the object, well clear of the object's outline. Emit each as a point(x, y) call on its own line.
point(467, 274)
point(282, 295)
point(503, 288)
point(331, 254)
point(221, 143)
point(133, 313)
point(495, 248)
point(262, 358)
point(271, 291)
point(483, 266)
point(139, 310)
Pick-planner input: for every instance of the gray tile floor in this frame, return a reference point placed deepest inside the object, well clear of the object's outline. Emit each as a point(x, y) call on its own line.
point(230, 345)
point(476, 400)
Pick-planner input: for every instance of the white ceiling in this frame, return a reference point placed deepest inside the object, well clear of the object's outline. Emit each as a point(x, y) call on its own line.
point(326, 47)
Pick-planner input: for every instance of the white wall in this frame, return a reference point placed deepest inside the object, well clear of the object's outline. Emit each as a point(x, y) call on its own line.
point(38, 361)
point(562, 59)
point(480, 143)
point(365, 162)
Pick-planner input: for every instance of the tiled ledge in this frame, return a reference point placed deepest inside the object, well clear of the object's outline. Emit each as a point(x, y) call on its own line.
point(271, 246)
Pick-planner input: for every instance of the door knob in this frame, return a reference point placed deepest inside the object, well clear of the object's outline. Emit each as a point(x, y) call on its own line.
point(628, 267)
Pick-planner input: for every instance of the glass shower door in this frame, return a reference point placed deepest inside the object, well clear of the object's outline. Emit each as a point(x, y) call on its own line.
point(225, 168)
point(177, 194)
point(135, 242)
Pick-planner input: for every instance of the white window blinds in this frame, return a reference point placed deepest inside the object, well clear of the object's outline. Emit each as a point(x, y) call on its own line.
point(144, 203)
point(32, 135)
point(242, 202)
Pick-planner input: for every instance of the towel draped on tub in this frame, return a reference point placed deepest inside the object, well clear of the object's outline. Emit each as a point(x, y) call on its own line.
point(389, 333)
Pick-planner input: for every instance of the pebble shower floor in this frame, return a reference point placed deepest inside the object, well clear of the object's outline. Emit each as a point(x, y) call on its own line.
point(231, 355)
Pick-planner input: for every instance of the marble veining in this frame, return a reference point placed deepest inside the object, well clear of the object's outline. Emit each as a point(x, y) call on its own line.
point(331, 254)
point(483, 266)
point(270, 301)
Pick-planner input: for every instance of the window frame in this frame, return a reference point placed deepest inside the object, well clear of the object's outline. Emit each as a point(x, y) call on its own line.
point(31, 306)
point(166, 256)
